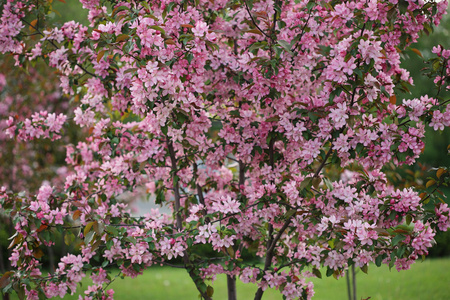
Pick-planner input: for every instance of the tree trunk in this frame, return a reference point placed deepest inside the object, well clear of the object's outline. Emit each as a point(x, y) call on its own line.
point(351, 283)
point(231, 286)
point(51, 259)
point(349, 286)
point(354, 282)
point(176, 189)
point(2, 263)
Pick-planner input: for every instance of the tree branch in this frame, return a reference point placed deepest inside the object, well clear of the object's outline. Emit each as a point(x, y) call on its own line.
point(254, 21)
point(193, 272)
point(55, 46)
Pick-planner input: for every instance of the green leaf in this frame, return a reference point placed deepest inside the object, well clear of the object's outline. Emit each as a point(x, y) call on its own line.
point(89, 236)
point(235, 113)
point(256, 46)
point(46, 235)
point(392, 215)
point(112, 230)
point(115, 141)
point(436, 65)
point(426, 6)
point(273, 119)
point(118, 9)
point(69, 238)
point(210, 291)
point(328, 183)
point(306, 183)
point(358, 72)
point(20, 292)
point(408, 219)
point(379, 260)
point(160, 197)
point(175, 179)
point(359, 148)
point(313, 117)
point(230, 251)
point(317, 272)
point(249, 4)
point(289, 213)
point(203, 288)
point(4, 280)
point(155, 27)
point(88, 227)
point(130, 239)
point(169, 8)
point(398, 238)
point(189, 56)
point(286, 46)
point(430, 183)
point(365, 269)
point(120, 38)
point(145, 4)
point(100, 55)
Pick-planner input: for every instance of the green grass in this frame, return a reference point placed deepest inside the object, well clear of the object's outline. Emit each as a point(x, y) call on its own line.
point(425, 280)
point(70, 10)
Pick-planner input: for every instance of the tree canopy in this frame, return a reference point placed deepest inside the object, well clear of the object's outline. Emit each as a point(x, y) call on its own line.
point(265, 126)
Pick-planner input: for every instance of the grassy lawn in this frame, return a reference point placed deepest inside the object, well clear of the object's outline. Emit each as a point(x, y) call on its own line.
point(426, 280)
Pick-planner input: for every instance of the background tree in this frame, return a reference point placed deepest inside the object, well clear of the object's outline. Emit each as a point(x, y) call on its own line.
point(436, 150)
point(25, 165)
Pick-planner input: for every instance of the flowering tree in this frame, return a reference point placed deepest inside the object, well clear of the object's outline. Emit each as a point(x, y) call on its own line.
point(265, 126)
point(25, 165)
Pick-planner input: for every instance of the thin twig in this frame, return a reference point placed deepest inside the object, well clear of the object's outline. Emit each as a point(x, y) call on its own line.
point(254, 21)
point(56, 47)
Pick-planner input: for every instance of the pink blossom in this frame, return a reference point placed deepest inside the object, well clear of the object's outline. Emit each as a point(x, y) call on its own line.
point(45, 192)
point(200, 28)
point(338, 115)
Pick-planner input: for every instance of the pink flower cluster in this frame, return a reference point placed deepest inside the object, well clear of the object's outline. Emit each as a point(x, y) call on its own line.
point(40, 125)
